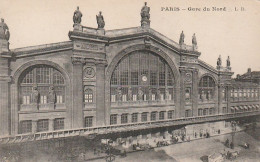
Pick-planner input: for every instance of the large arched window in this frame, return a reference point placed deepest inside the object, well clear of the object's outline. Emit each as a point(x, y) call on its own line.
point(206, 88)
point(142, 76)
point(41, 84)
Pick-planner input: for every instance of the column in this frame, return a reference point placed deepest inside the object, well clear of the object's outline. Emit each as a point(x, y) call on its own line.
point(228, 98)
point(100, 94)
point(5, 111)
point(34, 126)
point(220, 98)
point(129, 118)
point(195, 92)
point(77, 92)
point(51, 124)
point(118, 119)
point(181, 110)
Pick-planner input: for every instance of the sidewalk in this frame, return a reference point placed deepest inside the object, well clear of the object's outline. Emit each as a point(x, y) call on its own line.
point(129, 150)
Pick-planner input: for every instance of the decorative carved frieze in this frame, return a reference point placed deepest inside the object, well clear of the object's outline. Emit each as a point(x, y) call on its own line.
point(81, 60)
point(88, 47)
point(189, 59)
point(77, 60)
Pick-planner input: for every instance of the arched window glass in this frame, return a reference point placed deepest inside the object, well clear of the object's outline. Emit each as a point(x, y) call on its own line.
point(88, 96)
point(41, 84)
point(206, 88)
point(142, 76)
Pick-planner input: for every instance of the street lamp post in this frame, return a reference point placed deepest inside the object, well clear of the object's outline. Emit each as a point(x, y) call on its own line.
point(110, 157)
point(233, 125)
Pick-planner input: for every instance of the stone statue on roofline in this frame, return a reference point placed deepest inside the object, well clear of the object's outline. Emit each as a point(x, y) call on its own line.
point(182, 36)
point(228, 62)
point(145, 15)
point(4, 30)
point(77, 16)
point(194, 40)
point(100, 20)
point(219, 62)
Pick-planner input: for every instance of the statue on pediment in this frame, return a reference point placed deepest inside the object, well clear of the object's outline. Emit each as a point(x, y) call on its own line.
point(219, 62)
point(100, 20)
point(228, 62)
point(194, 40)
point(145, 12)
point(182, 36)
point(4, 30)
point(77, 16)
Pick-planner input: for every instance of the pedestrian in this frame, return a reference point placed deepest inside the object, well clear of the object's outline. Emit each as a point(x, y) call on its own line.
point(231, 145)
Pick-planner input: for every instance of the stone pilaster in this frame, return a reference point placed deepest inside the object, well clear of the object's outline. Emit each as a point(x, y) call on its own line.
point(228, 93)
point(5, 111)
point(195, 92)
point(220, 98)
point(100, 94)
point(181, 109)
point(77, 93)
point(34, 126)
point(51, 124)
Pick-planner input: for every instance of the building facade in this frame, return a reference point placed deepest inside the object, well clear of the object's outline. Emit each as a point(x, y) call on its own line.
point(112, 77)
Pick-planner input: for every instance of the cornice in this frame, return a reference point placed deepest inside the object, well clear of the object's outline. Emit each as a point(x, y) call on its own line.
point(42, 49)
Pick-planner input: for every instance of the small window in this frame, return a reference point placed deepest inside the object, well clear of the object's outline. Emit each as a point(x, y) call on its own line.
point(25, 126)
point(153, 116)
point(43, 99)
point(170, 97)
point(170, 114)
point(88, 96)
point(58, 123)
point(43, 125)
point(113, 119)
point(89, 121)
point(59, 99)
point(134, 97)
point(124, 118)
point(153, 97)
point(161, 115)
point(200, 112)
point(26, 100)
point(134, 117)
point(187, 113)
point(113, 98)
point(124, 98)
point(144, 116)
point(204, 111)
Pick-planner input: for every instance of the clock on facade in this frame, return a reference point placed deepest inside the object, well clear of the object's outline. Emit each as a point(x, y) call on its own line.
point(144, 78)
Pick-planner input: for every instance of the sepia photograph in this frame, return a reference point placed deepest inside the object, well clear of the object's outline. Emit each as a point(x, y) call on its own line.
point(129, 81)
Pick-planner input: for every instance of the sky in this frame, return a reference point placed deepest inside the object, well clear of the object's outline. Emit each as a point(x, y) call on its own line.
point(226, 33)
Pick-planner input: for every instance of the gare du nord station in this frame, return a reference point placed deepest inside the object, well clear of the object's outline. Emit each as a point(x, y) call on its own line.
point(105, 82)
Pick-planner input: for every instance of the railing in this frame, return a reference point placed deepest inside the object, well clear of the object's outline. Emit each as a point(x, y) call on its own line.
point(120, 128)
